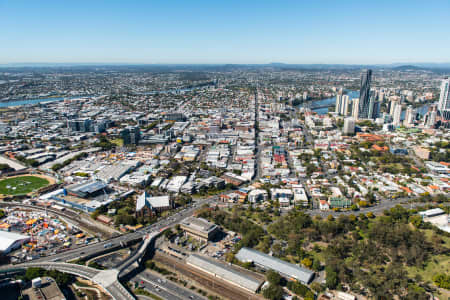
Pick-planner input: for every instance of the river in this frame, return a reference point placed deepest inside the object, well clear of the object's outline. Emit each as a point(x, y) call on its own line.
point(54, 99)
point(422, 110)
point(34, 101)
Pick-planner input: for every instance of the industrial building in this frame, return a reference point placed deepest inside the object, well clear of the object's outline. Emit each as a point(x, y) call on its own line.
point(267, 262)
point(431, 212)
point(86, 189)
point(10, 241)
point(199, 228)
point(224, 272)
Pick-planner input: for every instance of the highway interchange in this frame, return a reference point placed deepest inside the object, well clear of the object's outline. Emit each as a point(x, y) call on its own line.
point(109, 278)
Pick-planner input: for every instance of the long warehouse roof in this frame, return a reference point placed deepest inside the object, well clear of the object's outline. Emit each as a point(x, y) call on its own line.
point(224, 272)
point(270, 262)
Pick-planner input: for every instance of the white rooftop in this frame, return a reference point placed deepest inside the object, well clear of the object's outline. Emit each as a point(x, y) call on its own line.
point(9, 238)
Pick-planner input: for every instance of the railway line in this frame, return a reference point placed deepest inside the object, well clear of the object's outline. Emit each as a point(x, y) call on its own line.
point(216, 285)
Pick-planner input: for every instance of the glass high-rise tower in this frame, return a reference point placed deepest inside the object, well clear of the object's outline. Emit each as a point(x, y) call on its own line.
point(444, 99)
point(364, 94)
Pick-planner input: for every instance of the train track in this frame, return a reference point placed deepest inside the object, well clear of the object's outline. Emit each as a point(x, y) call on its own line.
point(216, 285)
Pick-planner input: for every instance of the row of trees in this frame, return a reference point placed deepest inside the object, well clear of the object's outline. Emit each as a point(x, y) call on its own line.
point(62, 279)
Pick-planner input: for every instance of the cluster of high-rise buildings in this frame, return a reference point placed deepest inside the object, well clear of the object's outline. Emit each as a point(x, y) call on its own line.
point(368, 106)
point(365, 107)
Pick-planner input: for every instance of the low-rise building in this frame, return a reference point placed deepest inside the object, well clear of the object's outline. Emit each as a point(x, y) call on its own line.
point(86, 189)
point(267, 262)
point(10, 241)
point(422, 152)
point(147, 205)
point(257, 195)
point(199, 228)
point(234, 179)
point(224, 272)
point(44, 288)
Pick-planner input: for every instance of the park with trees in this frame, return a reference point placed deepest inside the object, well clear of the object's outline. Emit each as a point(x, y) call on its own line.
point(395, 254)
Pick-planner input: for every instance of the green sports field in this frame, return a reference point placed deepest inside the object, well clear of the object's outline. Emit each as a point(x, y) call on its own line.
point(21, 185)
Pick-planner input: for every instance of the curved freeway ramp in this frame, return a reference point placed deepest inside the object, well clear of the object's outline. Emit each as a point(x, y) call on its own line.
point(107, 279)
point(123, 268)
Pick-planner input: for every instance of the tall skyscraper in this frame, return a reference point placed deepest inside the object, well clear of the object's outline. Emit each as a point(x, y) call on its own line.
point(338, 103)
point(374, 107)
point(364, 94)
point(344, 105)
point(392, 107)
point(397, 114)
point(355, 108)
point(410, 116)
point(444, 99)
point(342, 102)
point(430, 117)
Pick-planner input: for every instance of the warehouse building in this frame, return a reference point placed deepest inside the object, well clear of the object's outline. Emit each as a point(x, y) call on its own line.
point(224, 272)
point(199, 228)
point(10, 241)
point(267, 262)
point(86, 189)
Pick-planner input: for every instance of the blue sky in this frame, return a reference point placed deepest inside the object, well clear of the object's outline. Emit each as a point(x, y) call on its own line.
point(300, 31)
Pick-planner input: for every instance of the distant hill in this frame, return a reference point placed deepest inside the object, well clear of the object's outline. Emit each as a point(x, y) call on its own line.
point(409, 67)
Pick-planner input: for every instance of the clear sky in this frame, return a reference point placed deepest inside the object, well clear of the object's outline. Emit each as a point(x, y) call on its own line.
point(215, 31)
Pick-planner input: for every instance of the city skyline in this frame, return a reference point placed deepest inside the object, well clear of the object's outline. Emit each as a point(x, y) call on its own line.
point(225, 150)
point(239, 33)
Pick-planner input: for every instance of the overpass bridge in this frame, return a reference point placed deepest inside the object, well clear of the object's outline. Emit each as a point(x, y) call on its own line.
point(136, 258)
point(107, 279)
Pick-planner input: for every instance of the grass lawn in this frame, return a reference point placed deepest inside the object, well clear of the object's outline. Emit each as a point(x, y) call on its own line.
point(318, 255)
point(21, 185)
point(118, 142)
point(437, 264)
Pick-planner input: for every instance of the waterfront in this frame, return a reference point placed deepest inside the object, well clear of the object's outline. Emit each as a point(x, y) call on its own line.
point(35, 101)
point(12, 103)
point(328, 102)
point(321, 110)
